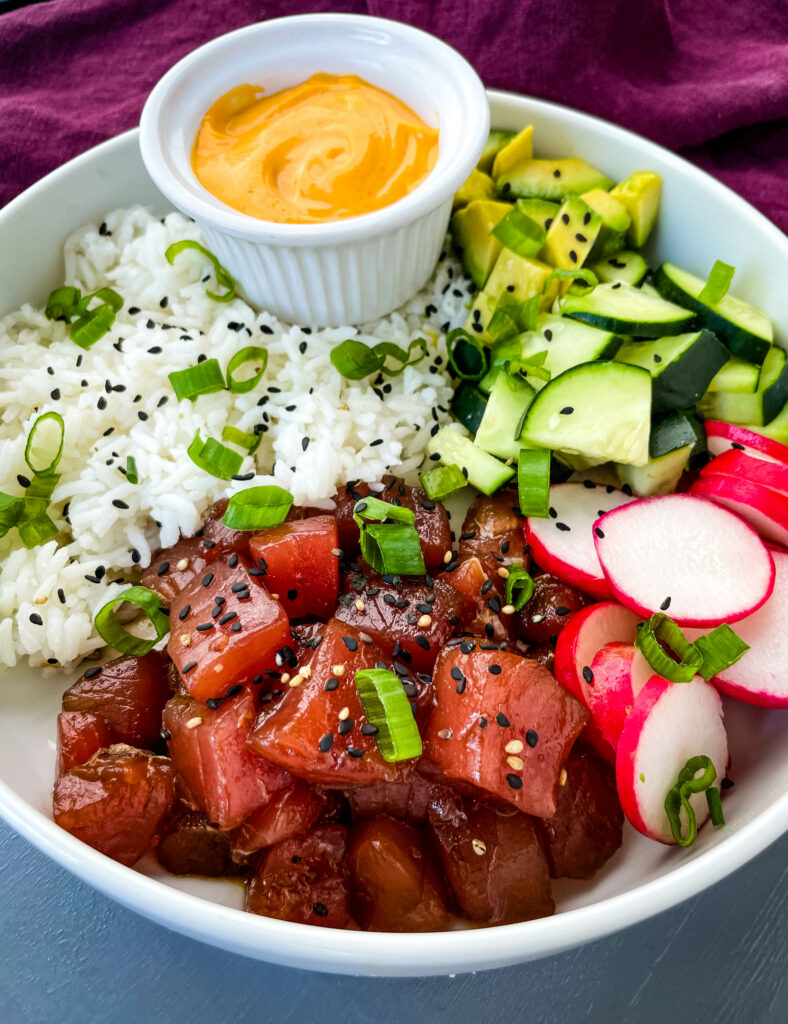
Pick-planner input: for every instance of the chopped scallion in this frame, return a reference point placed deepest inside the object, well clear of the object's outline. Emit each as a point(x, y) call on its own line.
point(252, 353)
point(533, 482)
point(588, 276)
point(117, 636)
point(660, 632)
point(520, 233)
point(355, 360)
point(719, 649)
point(214, 457)
point(387, 537)
point(223, 275)
point(11, 511)
point(442, 481)
point(203, 379)
point(257, 508)
point(41, 449)
point(468, 358)
point(387, 707)
point(519, 586)
point(677, 799)
point(131, 470)
point(250, 442)
point(718, 283)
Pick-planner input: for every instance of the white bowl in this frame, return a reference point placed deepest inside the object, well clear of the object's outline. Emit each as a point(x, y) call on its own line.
point(700, 221)
point(343, 272)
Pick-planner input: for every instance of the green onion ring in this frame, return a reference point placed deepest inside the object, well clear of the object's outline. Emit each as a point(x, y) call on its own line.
point(119, 638)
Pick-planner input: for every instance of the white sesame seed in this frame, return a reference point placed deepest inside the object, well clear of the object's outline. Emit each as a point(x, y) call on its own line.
point(306, 672)
point(337, 670)
point(336, 552)
point(508, 609)
point(424, 621)
point(296, 680)
point(562, 777)
point(344, 713)
point(275, 597)
point(285, 677)
point(186, 639)
point(515, 762)
point(218, 669)
point(514, 747)
point(182, 564)
point(41, 600)
point(444, 734)
point(360, 604)
point(537, 618)
point(365, 638)
point(447, 558)
point(194, 722)
point(479, 847)
point(503, 572)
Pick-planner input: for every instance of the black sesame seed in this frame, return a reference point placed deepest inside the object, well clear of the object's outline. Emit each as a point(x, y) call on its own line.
point(234, 690)
point(320, 909)
point(627, 490)
point(467, 646)
point(494, 604)
point(657, 359)
point(227, 617)
point(101, 403)
point(204, 627)
point(236, 627)
point(502, 720)
point(573, 255)
point(61, 594)
point(456, 673)
point(346, 726)
point(727, 783)
point(23, 481)
point(183, 613)
point(189, 668)
point(292, 594)
point(562, 610)
point(91, 673)
point(368, 729)
point(326, 742)
point(494, 670)
point(355, 752)
point(350, 643)
point(514, 781)
point(423, 643)
point(565, 218)
point(487, 586)
point(665, 604)
point(588, 675)
point(332, 683)
point(142, 415)
point(532, 737)
point(567, 410)
point(563, 527)
point(214, 703)
point(505, 547)
point(55, 393)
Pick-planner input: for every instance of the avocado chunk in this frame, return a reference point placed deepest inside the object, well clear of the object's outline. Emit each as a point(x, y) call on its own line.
point(540, 210)
point(639, 193)
point(550, 179)
point(515, 152)
point(520, 279)
point(477, 185)
point(572, 235)
point(495, 141)
point(615, 221)
point(476, 246)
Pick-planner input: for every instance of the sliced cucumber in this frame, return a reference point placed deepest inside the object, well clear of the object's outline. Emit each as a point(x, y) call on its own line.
point(468, 405)
point(486, 473)
point(567, 343)
point(658, 476)
point(626, 310)
point(626, 266)
point(496, 140)
point(600, 410)
point(777, 430)
point(499, 429)
point(736, 375)
point(677, 430)
point(761, 407)
point(551, 179)
point(745, 329)
point(681, 366)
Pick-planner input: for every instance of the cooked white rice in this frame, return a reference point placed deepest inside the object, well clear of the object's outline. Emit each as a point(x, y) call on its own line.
point(47, 598)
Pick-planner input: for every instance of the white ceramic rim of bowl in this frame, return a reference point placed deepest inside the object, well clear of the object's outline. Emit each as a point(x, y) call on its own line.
point(454, 164)
point(385, 953)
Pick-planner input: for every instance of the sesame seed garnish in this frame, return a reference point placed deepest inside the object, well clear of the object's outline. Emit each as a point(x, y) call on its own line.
point(163, 568)
point(563, 527)
point(561, 609)
point(344, 713)
point(444, 734)
point(338, 670)
point(228, 617)
point(665, 604)
point(360, 604)
point(423, 643)
point(562, 777)
point(189, 668)
point(346, 726)
point(296, 680)
point(186, 640)
point(424, 621)
point(478, 847)
point(355, 752)
point(601, 535)
point(588, 675)
point(350, 643)
point(494, 670)
point(514, 781)
point(236, 627)
point(285, 677)
point(194, 722)
point(91, 673)
point(207, 579)
point(503, 573)
point(515, 762)
point(502, 720)
point(41, 599)
point(182, 563)
point(447, 558)
point(331, 684)
point(365, 638)
point(36, 619)
point(532, 737)
point(326, 742)
point(514, 747)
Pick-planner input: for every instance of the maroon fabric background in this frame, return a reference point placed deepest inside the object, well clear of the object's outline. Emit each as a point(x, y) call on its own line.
point(708, 78)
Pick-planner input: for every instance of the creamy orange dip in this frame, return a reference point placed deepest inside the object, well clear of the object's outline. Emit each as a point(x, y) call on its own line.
point(332, 147)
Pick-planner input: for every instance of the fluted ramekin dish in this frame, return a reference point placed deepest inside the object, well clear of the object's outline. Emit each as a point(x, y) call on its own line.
point(343, 272)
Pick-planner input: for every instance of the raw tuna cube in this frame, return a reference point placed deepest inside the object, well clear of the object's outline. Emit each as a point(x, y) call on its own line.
point(481, 598)
point(406, 799)
point(116, 802)
point(493, 530)
point(79, 735)
point(547, 611)
point(502, 723)
point(300, 565)
point(195, 847)
point(128, 693)
point(219, 540)
point(171, 570)
point(304, 879)
point(291, 812)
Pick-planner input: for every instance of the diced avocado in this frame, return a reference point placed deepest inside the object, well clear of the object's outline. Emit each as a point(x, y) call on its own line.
point(472, 232)
point(615, 221)
point(551, 179)
point(639, 193)
point(736, 375)
point(567, 343)
point(626, 266)
point(541, 210)
point(495, 141)
point(571, 235)
point(658, 476)
point(480, 315)
point(520, 233)
point(499, 429)
point(515, 152)
point(521, 278)
point(477, 185)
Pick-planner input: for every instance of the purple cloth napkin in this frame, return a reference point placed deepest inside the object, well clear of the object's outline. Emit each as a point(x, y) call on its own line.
point(709, 79)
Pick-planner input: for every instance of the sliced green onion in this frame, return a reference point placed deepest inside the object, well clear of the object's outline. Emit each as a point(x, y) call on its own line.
point(715, 806)
point(468, 358)
point(50, 466)
point(520, 233)
point(590, 278)
point(387, 537)
point(214, 458)
point(257, 507)
point(442, 481)
point(250, 442)
point(519, 586)
point(223, 275)
point(688, 783)
point(252, 353)
point(718, 283)
point(92, 326)
point(525, 313)
point(355, 360)
point(40, 489)
point(388, 708)
point(659, 630)
point(719, 649)
point(11, 511)
point(529, 367)
point(106, 296)
point(116, 636)
point(36, 529)
point(533, 482)
point(503, 324)
point(131, 470)
point(203, 379)
point(61, 303)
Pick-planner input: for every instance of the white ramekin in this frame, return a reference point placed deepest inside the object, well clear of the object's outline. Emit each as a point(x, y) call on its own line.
point(348, 271)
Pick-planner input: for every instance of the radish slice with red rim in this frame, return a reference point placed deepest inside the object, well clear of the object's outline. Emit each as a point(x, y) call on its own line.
point(765, 509)
point(765, 472)
point(582, 637)
point(721, 437)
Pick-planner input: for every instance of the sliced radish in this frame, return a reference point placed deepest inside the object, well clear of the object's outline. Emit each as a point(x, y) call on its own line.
point(763, 508)
point(620, 672)
point(563, 544)
point(765, 472)
point(720, 437)
point(679, 554)
point(669, 723)
point(760, 676)
point(585, 633)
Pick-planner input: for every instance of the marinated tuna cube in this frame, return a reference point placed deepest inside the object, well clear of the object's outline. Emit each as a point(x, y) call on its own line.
point(300, 563)
point(406, 799)
point(171, 570)
point(492, 857)
point(220, 775)
point(289, 813)
point(195, 847)
point(397, 886)
point(218, 540)
point(502, 723)
point(493, 530)
point(117, 801)
point(482, 601)
point(586, 829)
point(548, 610)
point(225, 629)
point(304, 879)
point(316, 730)
point(409, 621)
point(79, 735)
point(128, 693)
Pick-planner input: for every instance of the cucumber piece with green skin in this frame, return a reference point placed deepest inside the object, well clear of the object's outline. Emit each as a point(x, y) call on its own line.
point(551, 179)
point(658, 476)
point(615, 221)
point(496, 140)
point(677, 430)
point(468, 405)
point(639, 193)
point(599, 410)
point(499, 430)
point(471, 230)
point(541, 210)
point(777, 430)
point(626, 266)
point(760, 408)
point(572, 234)
point(567, 343)
point(681, 366)
point(514, 152)
point(483, 471)
point(736, 375)
point(745, 329)
point(624, 309)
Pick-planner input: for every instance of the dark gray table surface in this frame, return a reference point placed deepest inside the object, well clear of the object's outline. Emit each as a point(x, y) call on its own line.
point(69, 955)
